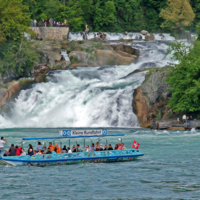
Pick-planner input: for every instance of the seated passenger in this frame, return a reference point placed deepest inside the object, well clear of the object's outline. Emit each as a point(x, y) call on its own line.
point(110, 147)
point(48, 151)
point(73, 149)
point(12, 150)
point(39, 146)
point(6, 153)
point(30, 150)
point(123, 147)
point(86, 149)
point(92, 147)
point(69, 150)
point(34, 152)
point(43, 151)
point(39, 152)
point(23, 153)
point(78, 147)
point(18, 150)
point(97, 144)
point(119, 146)
point(64, 150)
point(97, 148)
point(52, 148)
point(101, 147)
point(116, 147)
point(57, 148)
point(105, 147)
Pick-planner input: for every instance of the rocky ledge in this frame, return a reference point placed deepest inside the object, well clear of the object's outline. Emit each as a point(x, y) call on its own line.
point(150, 99)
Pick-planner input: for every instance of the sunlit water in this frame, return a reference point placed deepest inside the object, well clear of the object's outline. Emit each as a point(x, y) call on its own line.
point(169, 170)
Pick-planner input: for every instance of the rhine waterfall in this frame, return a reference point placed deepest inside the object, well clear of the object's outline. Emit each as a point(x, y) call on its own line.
point(86, 96)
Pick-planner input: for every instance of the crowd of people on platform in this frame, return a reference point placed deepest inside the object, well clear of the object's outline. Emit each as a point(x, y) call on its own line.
point(50, 22)
point(40, 149)
point(186, 119)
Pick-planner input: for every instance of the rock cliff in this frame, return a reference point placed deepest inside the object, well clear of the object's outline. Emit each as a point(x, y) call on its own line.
point(151, 97)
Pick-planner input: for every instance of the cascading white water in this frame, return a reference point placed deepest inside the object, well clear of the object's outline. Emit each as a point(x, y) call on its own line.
point(117, 36)
point(64, 54)
point(86, 97)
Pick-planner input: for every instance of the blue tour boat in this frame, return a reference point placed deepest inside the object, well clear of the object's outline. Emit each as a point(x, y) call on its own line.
point(77, 157)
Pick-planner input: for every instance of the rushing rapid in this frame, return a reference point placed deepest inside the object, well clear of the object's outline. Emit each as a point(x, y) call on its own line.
point(86, 96)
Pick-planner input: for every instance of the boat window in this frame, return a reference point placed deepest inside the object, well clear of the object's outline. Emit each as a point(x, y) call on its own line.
point(133, 151)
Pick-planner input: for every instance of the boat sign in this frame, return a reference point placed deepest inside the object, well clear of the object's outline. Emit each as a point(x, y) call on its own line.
point(83, 132)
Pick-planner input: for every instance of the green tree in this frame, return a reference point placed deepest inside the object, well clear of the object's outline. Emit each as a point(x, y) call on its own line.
point(184, 80)
point(14, 20)
point(177, 14)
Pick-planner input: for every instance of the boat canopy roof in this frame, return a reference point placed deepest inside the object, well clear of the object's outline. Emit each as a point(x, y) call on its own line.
point(78, 134)
point(66, 137)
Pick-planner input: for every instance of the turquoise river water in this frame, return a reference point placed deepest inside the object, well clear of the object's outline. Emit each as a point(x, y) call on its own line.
point(168, 170)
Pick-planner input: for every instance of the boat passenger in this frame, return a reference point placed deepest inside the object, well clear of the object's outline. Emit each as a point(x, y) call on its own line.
point(92, 147)
point(116, 147)
point(110, 147)
point(86, 149)
point(52, 148)
point(78, 148)
point(119, 146)
point(43, 151)
point(105, 147)
point(69, 150)
point(101, 147)
point(30, 150)
point(39, 152)
point(64, 150)
point(48, 151)
point(39, 146)
point(23, 153)
point(6, 153)
point(12, 150)
point(18, 150)
point(34, 152)
point(97, 148)
point(97, 144)
point(74, 148)
point(2, 142)
point(57, 148)
point(123, 147)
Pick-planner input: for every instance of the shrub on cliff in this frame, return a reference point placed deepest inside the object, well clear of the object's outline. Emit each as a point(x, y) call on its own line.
point(184, 80)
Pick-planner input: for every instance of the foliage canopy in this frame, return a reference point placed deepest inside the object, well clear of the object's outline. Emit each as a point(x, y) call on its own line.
point(184, 80)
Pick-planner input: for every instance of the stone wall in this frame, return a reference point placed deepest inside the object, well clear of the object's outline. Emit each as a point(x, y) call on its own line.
point(51, 33)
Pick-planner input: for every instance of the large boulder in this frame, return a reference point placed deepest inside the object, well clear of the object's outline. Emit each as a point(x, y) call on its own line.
point(109, 57)
point(143, 32)
point(149, 37)
point(126, 48)
point(79, 56)
point(152, 95)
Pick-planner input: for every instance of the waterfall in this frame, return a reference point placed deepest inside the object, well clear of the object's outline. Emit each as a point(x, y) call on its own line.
point(64, 54)
point(86, 96)
point(118, 36)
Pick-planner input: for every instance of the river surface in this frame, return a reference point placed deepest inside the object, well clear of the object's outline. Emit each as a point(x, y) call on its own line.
point(168, 170)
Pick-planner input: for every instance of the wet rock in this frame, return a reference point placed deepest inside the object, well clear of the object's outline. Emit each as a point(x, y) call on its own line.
point(152, 95)
point(143, 32)
point(149, 37)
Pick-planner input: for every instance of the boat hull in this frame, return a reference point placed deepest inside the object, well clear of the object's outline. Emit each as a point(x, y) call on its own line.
point(75, 158)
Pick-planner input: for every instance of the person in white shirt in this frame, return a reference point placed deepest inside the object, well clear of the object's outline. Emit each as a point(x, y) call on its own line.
point(23, 153)
point(69, 150)
point(2, 143)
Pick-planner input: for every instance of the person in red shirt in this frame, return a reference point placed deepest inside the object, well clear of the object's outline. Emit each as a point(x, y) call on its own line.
point(18, 151)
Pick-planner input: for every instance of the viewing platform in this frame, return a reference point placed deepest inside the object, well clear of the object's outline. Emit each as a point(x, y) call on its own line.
point(173, 124)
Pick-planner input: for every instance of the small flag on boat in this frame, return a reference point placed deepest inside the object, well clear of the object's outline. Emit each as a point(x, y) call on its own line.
point(135, 145)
